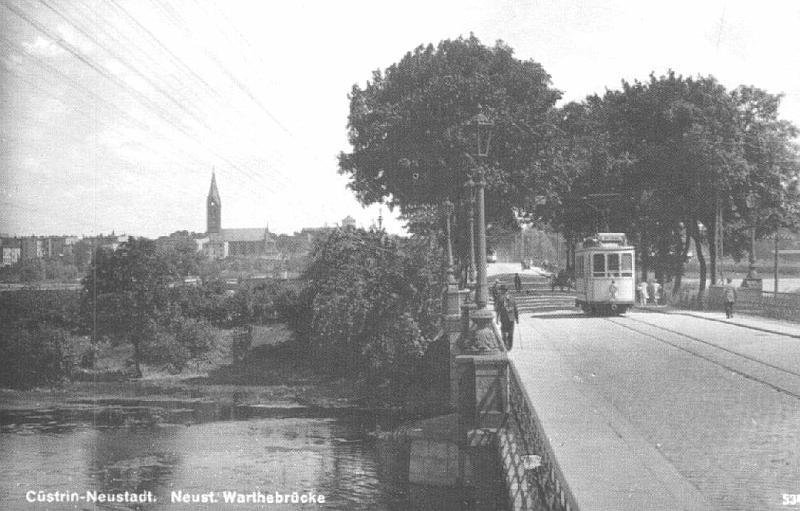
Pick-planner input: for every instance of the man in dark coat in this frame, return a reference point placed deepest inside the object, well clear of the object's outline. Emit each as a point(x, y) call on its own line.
point(517, 282)
point(508, 314)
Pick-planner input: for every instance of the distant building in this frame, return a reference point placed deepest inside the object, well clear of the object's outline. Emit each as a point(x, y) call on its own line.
point(31, 248)
point(348, 222)
point(220, 243)
point(10, 250)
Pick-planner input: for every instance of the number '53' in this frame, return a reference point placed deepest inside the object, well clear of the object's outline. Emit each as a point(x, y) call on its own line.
point(790, 499)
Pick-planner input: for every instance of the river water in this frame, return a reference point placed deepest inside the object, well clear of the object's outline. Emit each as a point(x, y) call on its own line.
point(52, 451)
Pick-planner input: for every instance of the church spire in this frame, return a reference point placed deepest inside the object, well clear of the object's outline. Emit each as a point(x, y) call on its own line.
point(213, 207)
point(213, 193)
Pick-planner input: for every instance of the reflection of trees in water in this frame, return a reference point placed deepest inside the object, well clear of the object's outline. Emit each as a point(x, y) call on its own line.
point(132, 460)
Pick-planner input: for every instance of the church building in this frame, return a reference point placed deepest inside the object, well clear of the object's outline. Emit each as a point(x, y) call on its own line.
point(220, 243)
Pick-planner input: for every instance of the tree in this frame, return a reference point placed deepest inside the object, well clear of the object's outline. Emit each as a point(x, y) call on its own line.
point(773, 199)
point(408, 150)
point(672, 150)
point(126, 292)
point(371, 304)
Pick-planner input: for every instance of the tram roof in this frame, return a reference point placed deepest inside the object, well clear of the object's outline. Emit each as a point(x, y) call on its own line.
point(606, 240)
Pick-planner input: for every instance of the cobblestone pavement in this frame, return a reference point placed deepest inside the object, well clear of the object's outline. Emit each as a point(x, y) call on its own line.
point(709, 407)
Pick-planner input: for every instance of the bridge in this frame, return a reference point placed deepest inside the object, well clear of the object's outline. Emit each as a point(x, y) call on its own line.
point(660, 409)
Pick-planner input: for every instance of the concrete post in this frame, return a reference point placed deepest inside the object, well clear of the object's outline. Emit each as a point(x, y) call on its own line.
point(483, 392)
point(454, 327)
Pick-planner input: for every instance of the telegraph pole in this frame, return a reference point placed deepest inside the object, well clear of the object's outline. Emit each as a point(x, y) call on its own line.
point(775, 266)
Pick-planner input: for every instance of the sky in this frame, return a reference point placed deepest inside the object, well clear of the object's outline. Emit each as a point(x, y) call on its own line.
point(114, 113)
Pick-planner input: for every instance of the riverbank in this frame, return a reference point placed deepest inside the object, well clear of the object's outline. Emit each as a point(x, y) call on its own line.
point(271, 373)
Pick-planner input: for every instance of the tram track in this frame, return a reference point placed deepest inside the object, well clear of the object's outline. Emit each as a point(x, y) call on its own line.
point(711, 359)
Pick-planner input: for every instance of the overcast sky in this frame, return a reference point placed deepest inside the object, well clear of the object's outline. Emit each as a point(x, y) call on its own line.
point(114, 112)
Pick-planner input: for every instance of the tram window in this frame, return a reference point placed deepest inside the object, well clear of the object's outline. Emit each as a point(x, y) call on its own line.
point(613, 265)
point(599, 265)
point(627, 265)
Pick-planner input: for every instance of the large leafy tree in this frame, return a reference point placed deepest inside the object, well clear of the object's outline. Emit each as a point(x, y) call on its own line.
point(670, 151)
point(373, 303)
point(405, 128)
point(126, 292)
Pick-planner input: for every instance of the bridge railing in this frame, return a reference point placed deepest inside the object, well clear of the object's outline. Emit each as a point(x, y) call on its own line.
point(765, 303)
point(534, 479)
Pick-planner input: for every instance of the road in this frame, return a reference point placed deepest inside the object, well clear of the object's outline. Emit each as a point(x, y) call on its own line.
point(714, 408)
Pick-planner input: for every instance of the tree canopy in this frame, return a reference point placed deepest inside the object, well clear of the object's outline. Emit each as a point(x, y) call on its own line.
point(666, 153)
point(408, 150)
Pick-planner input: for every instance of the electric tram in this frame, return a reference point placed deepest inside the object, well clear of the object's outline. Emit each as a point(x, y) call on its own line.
point(605, 274)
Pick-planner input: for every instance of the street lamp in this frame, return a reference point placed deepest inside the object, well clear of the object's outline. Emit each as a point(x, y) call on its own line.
point(469, 186)
point(752, 280)
point(479, 132)
point(448, 211)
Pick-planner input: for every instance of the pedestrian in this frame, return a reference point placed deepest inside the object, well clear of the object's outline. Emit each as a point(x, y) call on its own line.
point(495, 292)
point(508, 314)
point(517, 282)
point(730, 298)
point(612, 291)
point(642, 288)
point(651, 291)
point(657, 293)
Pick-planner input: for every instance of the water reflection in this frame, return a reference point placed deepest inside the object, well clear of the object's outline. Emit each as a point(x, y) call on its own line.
point(125, 449)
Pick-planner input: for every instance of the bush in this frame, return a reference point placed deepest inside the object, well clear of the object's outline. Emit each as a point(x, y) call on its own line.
point(185, 340)
point(371, 305)
point(32, 357)
point(29, 308)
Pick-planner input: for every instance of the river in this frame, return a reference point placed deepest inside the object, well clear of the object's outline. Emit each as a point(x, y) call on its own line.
point(54, 451)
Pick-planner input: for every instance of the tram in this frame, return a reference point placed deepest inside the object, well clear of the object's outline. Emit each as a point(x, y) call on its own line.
point(605, 274)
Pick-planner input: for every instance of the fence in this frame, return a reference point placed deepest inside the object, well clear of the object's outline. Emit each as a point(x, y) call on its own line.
point(764, 303)
point(533, 476)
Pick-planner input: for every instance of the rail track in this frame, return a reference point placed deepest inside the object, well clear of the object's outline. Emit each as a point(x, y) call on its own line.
point(624, 322)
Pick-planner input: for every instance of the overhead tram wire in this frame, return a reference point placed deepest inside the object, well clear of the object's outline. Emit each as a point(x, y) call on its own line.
point(141, 98)
point(158, 108)
point(37, 86)
point(128, 65)
point(179, 62)
point(155, 108)
point(181, 24)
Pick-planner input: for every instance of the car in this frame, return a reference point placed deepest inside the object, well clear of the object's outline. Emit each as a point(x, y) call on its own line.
point(491, 258)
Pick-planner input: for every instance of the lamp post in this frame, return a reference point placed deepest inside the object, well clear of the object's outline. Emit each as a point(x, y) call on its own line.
point(752, 279)
point(483, 339)
point(469, 186)
point(448, 211)
point(751, 269)
point(481, 290)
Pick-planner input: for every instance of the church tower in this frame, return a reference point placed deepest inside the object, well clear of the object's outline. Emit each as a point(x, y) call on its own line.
point(213, 208)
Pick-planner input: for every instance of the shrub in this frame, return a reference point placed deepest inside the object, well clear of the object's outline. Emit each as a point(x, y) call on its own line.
point(183, 341)
point(32, 357)
point(371, 305)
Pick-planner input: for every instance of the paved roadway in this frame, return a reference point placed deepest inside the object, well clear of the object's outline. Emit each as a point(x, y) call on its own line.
point(666, 411)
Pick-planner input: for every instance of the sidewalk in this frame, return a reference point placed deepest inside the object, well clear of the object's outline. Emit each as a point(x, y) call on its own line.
point(762, 324)
point(608, 464)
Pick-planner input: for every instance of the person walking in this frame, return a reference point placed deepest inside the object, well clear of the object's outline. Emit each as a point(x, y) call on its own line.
point(643, 293)
point(612, 292)
point(494, 292)
point(730, 298)
point(517, 282)
point(657, 293)
point(508, 315)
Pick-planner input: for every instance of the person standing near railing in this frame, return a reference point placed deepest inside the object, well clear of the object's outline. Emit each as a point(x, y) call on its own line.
point(730, 298)
point(508, 315)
